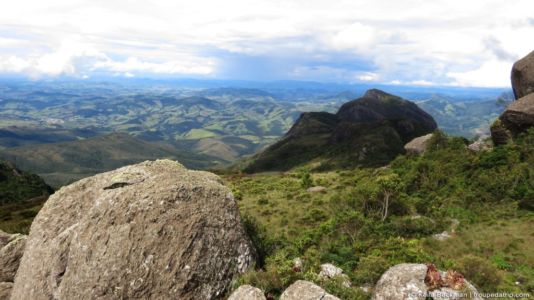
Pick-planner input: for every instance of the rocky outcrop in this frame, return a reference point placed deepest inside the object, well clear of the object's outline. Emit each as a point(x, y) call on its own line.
point(418, 145)
point(247, 292)
point(523, 76)
point(519, 115)
point(305, 290)
point(407, 281)
point(154, 230)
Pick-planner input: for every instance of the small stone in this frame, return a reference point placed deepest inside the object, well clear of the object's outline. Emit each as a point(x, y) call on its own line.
point(442, 236)
point(316, 189)
point(247, 292)
point(305, 290)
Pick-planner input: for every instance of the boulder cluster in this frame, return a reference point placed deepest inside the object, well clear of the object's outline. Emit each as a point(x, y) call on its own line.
point(518, 116)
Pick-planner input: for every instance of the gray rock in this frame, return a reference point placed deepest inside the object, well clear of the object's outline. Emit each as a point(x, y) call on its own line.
point(482, 144)
point(523, 76)
point(519, 115)
point(517, 118)
point(247, 292)
point(418, 145)
point(298, 263)
point(12, 248)
point(316, 189)
point(153, 230)
point(5, 290)
point(500, 135)
point(406, 281)
point(305, 290)
point(329, 271)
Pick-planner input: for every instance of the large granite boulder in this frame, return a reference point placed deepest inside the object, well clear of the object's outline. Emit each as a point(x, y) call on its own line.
point(247, 292)
point(153, 230)
point(517, 118)
point(523, 76)
point(407, 281)
point(305, 290)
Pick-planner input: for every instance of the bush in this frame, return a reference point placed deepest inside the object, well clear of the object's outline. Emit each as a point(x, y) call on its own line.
point(409, 226)
point(480, 272)
point(305, 180)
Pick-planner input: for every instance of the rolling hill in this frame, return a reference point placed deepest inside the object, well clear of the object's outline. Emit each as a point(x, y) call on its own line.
point(62, 163)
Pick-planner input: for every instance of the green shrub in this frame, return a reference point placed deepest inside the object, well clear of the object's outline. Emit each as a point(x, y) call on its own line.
point(305, 180)
point(480, 272)
point(263, 201)
point(410, 226)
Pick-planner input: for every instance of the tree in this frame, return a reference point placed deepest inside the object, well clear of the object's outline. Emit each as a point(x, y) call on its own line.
point(388, 185)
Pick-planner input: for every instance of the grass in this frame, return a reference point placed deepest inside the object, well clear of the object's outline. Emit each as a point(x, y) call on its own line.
point(195, 134)
point(17, 217)
point(503, 246)
point(281, 204)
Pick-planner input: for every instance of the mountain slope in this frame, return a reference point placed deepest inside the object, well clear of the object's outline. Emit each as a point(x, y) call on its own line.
point(17, 185)
point(368, 131)
point(61, 163)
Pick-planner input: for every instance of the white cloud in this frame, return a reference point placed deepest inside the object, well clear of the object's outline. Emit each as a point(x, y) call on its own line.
point(429, 42)
point(132, 64)
point(490, 73)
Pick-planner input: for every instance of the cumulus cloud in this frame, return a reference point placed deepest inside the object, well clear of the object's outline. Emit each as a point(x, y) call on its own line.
point(409, 42)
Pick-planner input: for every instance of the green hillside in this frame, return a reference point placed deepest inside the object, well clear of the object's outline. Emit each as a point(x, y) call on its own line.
point(490, 194)
point(17, 185)
point(62, 163)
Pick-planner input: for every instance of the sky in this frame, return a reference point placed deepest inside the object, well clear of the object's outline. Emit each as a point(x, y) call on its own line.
point(408, 42)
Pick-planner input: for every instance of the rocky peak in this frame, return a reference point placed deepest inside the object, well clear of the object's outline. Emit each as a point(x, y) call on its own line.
point(377, 94)
point(377, 105)
point(370, 130)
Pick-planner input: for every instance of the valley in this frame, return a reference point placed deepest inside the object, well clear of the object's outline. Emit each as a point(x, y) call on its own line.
point(207, 124)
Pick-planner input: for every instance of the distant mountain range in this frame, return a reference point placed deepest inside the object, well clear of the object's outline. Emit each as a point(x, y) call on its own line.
point(206, 123)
